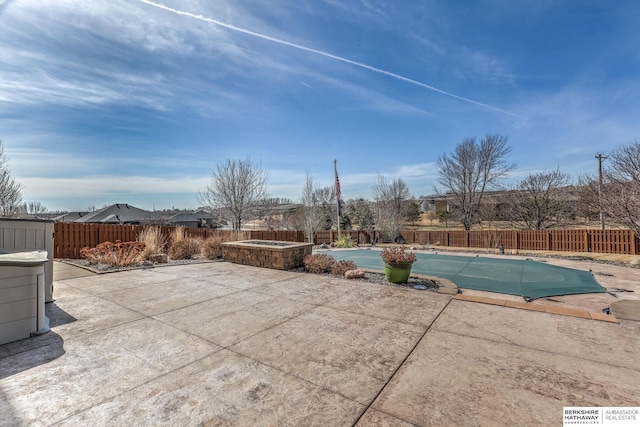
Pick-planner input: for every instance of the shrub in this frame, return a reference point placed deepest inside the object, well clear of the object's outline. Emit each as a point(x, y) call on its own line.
point(212, 247)
point(318, 263)
point(118, 254)
point(345, 242)
point(154, 240)
point(342, 266)
point(185, 248)
point(397, 254)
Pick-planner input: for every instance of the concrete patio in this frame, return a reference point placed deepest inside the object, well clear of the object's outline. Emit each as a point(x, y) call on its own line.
point(225, 344)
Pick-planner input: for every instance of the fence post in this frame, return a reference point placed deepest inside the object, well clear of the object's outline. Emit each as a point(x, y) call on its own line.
point(587, 242)
point(547, 240)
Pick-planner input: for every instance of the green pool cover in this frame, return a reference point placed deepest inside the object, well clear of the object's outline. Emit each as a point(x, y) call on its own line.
point(527, 278)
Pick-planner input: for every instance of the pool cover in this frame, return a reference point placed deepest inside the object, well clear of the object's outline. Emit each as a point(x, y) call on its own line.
point(524, 277)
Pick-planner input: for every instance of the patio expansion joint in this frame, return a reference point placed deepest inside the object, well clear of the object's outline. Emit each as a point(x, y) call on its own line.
point(288, 298)
point(151, 316)
point(393, 374)
point(387, 319)
point(291, 374)
point(326, 303)
point(514, 344)
point(142, 384)
point(99, 295)
point(227, 347)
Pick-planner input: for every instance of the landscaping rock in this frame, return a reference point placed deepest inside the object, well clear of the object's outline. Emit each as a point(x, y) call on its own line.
point(158, 258)
point(354, 274)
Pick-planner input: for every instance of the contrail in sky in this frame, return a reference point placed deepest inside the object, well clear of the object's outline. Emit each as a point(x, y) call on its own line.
point(325, 54)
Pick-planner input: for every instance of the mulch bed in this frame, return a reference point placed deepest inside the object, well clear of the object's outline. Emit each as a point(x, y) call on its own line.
point(375, 278)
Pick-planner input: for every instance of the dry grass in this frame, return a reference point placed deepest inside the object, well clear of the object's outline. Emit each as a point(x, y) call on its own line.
point(118, 254)
point(212, 247)
point(154, 240)
point(178, 234)
point(185, 248)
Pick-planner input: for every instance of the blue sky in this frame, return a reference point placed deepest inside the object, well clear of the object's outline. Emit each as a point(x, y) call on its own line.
point(133, 101)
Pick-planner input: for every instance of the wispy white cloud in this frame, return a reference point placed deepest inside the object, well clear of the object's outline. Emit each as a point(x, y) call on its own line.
point(108, 185)
point(583, 116)
point(4, 4)
point(40, 87)
point(325, 54)
point(45, 162)
point(108, 47)
point(38, 162)
point(481, 66)
point(421, 170)
point(370, 99)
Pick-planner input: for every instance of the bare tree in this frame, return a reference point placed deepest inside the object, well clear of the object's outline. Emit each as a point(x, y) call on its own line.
point(291, 219)
point(588, 205)
point(620, 195)
point(269, 208)
point(540, 200)
point(624, 163)
point(360, 213)
point(412, 212)
point(33, 208)
point(10, 189)
point(235, 190)
point(310, 208)
point(317, 203)
point(391, 206)
point(470, 170)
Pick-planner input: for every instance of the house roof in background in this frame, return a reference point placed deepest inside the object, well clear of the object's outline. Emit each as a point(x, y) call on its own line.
point(192, 216)
point(116, 214)
point(70, 216)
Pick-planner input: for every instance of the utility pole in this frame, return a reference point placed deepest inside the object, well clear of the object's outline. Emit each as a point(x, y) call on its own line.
point(338, 194)
point(600, 158)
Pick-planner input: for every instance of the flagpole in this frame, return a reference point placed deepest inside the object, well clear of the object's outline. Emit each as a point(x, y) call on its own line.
point(337, 184)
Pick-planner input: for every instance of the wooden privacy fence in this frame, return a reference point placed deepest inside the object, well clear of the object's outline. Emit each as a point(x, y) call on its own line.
point(601, 241)
point(69, 238)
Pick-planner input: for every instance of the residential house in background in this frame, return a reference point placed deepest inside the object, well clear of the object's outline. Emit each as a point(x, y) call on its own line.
point(70, 216)
point(199, 218)
point(123, 213)
point(120, 213)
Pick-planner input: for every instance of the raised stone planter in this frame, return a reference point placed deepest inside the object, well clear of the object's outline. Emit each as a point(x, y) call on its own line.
point(266, 253)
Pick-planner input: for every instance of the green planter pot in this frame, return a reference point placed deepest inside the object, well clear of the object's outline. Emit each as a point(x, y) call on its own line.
point(397, 272)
